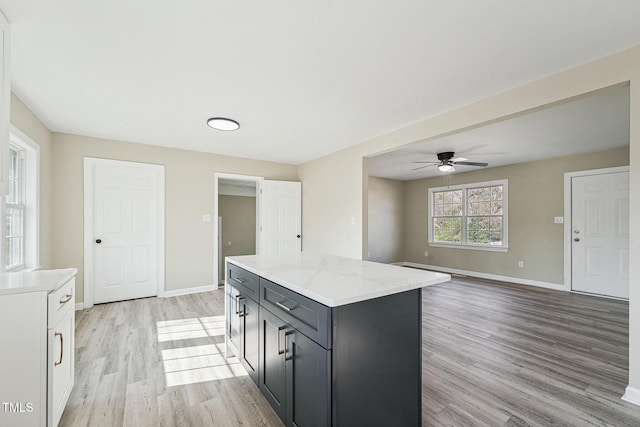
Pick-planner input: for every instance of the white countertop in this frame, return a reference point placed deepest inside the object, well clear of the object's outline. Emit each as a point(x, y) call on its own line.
point(35, 281)
point(335, 281)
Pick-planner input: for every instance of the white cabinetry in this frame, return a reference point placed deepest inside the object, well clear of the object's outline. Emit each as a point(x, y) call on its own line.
point(60, 352)
point(37, 355)
point(5, 97)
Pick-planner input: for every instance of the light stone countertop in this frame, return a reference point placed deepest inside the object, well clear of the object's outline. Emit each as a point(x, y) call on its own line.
point(35, 281)
point(335, 281)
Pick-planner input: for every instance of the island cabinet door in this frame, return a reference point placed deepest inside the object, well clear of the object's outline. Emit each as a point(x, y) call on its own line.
point(233, 321)
point(272, 361)
point(250, 336)
point(308, 382)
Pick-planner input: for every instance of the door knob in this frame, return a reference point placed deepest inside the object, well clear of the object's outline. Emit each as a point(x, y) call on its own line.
point(98, 241)
point(576, 240)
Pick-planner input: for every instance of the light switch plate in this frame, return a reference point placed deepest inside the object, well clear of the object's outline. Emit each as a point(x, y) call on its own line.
point(206, 218)
point(558, 220)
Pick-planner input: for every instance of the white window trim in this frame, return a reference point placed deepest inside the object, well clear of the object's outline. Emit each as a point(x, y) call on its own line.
point(32, 200)
point(505, 216)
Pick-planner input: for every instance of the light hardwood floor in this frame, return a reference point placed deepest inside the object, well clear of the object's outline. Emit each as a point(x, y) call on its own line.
point(493, 354)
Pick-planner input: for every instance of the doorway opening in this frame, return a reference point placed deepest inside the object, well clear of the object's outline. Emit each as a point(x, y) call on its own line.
point(235, 217)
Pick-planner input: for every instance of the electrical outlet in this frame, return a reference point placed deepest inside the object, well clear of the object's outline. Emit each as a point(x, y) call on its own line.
point(426, 254)
point(558, 220)
point(520, 264)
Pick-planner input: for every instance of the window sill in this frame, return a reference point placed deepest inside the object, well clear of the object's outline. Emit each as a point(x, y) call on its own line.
point(23, 269)
point(471, 247)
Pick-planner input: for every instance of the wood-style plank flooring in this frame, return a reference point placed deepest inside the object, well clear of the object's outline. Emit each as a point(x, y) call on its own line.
point(509, 355)
point(493, 355)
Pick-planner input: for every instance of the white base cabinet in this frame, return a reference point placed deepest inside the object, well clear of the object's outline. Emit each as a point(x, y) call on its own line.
point(37, 332)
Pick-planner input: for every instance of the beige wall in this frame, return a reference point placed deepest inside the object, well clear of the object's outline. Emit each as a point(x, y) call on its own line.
point(335, 185)
point(238, 225)
point(188, 195)
point(27, 122)
point(332, 205)
point(386, 220)
point(536, 196)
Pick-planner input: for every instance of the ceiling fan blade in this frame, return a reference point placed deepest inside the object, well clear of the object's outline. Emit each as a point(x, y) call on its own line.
point(422, 167)
point(472, 164)
point(434, 163)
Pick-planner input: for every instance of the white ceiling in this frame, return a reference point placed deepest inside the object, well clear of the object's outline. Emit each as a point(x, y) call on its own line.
point(303, 78)
point(596, 122)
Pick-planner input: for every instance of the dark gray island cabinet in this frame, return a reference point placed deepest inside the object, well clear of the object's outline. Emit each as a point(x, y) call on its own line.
point(333, 355)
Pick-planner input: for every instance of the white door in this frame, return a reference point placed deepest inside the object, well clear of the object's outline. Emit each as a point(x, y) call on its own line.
point(600, 234)
point(126, 237)
point(280, 206)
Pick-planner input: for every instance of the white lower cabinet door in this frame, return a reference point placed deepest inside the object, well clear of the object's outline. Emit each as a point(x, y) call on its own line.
point(60, 366)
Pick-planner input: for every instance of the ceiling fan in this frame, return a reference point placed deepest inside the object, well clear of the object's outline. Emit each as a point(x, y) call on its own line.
point(446, 161)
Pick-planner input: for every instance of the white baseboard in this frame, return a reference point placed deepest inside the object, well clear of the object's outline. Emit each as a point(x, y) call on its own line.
point(175, 293)
point(188, 291)
point(632, 395)
point(519, 281)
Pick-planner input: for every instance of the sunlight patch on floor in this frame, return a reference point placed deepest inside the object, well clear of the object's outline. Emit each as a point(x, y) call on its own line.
point(189, 365)
point(197, 327)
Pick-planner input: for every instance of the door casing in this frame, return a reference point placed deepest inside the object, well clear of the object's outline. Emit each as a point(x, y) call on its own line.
point(89, 165)
point(568, 215)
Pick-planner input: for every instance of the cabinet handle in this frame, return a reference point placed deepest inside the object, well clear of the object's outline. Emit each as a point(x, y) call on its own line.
point(286, 347)
point(59, 362)
point(241, 312)
point(281, 305)
point(238, 298)
point(239, 280)
point(280, 329)
point(66, 299)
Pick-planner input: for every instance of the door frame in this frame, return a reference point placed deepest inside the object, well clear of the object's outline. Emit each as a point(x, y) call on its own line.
point(89, 167)
point(568, 215)
point(216, 232)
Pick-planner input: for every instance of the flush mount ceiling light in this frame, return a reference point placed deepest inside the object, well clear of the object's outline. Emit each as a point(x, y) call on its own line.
point(222, 123)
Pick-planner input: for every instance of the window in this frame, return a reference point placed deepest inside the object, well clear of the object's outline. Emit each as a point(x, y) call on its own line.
point(472, 216)
point(20, 207)
point(15, 210)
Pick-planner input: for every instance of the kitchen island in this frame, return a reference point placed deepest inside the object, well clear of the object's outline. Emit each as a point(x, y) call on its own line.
point(329, 341)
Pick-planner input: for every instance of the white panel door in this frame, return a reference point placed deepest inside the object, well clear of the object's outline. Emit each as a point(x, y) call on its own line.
point(280, 206)
point(126, 202)
point(600, 234)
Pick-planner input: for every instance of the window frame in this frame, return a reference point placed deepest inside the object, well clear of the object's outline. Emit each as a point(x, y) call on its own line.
point(464, 218)
point(31, 201)
point(19, 205)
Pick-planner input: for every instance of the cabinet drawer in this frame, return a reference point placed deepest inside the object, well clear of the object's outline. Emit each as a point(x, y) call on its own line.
point(308, 316)
point(244, 281)
point(61, 302)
